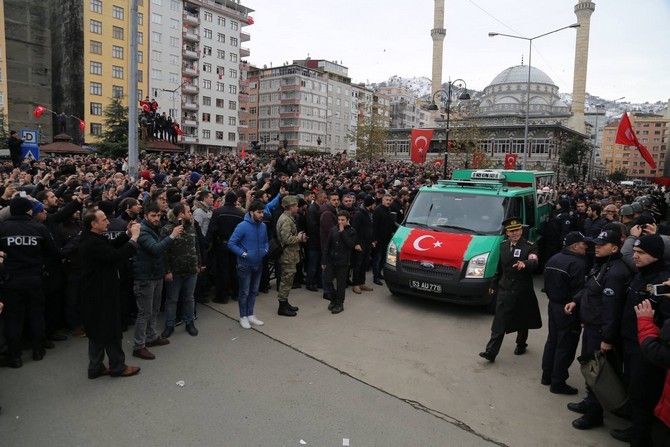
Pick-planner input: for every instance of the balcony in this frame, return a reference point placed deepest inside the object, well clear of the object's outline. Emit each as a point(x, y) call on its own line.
point(189, 121)
point(243, 97)
point(290, 87)
point(190, 52)
point(243, 114)
point(191, 71)
point(191, 18)
point(189, 139)
point(190, 88)
point(190, 36)
point(244, 52)
point(244, 37)
point(188, 105)
point(289, 128)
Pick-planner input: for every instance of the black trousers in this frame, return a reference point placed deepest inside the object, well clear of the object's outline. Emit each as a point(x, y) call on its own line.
point(96, 356)
point(339, 274)
point(494, 344)
point(226, 274)
point(19, 304)
point(561, 345)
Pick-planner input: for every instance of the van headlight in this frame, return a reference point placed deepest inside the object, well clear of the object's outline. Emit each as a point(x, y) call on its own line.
point(477, 266)
point(392, 254)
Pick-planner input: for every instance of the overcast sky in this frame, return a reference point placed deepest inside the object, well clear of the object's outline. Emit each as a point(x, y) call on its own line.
point(376, 39)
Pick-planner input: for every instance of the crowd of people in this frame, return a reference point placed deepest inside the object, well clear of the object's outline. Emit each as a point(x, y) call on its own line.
point(89, 249)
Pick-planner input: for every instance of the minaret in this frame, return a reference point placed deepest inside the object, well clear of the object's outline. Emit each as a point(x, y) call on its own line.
point(583, 11)
point(437, 33)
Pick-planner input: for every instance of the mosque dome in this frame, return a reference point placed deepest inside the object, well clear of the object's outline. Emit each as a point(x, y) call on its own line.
point(519, 73)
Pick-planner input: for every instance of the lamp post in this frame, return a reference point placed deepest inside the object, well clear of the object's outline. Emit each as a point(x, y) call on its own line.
point(530, 53)
point(433, 107)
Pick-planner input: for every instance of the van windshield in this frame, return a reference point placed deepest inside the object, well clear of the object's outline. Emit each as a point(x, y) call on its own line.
point(469, 213)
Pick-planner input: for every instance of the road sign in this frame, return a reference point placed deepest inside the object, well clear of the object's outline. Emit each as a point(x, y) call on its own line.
point(30, 147)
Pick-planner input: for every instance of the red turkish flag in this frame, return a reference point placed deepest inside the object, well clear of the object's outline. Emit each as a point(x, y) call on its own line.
point(39, 110)
point(82, 125)
point(626, 135)
point(250, 20)
point(435, 247)
point(420, 144)
point(243, 154)
point(510, 161)
point(146, 106)
point(177, 129)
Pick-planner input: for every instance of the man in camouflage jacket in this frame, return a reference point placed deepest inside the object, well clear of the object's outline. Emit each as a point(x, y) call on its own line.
point(290, 239)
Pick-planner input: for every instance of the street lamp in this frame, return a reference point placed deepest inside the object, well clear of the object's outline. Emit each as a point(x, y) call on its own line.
point(530, 52)
point(433, 107)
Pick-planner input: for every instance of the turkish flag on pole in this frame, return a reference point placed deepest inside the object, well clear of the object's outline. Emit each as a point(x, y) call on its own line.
point(82, 125)
point(250, 20)
point(146, 106)
point(510, 161)
point(626, 135)
point(420, 144)
point(39, 110)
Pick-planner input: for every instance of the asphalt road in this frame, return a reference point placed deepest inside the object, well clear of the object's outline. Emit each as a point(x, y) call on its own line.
point(388, 371)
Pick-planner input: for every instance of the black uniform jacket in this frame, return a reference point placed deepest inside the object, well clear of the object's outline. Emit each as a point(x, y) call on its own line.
point(517, 304)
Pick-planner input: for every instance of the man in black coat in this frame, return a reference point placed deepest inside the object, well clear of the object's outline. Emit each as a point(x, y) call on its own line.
point(384, 226)
point(15, 151)
point(313, 271)
point(362, 223)
point(564, 276)
point(102, 310)
point(516, 308)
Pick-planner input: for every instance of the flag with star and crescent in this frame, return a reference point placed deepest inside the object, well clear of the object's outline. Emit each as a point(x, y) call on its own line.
point(510, 161)
point(420, 144)
point(432, 246)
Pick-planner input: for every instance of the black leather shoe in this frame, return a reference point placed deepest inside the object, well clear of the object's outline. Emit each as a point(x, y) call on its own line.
point(293, 308)
point(545, 381)
point(48, 344)
point(191, 329)
point(337, 308)
point(11, 362)
point(622, 434)
point(312, 288)
point(577, 407)
point(378, 282)
point(587, 422)
point(488, 356)
point(38, 354)
point(167, 331)
point(520, 349)
point(563, 388)
point(57, 337)
point(264, 289)
point(284, 310)
point(331, 305)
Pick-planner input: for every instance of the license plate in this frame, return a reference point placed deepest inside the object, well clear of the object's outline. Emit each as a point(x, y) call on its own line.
point(427, 286)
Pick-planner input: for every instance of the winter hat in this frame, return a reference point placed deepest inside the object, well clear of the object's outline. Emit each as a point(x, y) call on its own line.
point(159, 178)
point(652, 244)
point(38, 207)
point(369, 200)
point(564, 204)
point(19, 205)
point(146, 174)
point(195, 177)
point(644, 220)
point(231, 198)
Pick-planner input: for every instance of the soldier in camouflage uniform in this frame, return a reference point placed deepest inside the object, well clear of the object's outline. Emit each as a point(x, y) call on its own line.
point(183, 263)
point(290, 239)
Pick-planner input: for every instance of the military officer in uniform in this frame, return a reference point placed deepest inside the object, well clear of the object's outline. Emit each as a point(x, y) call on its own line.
point(516, 309)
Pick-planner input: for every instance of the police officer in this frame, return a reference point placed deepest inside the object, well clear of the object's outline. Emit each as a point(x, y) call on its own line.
point(600, 304)
point(25, 243)
point(564, 276)
point(516, 309)
point(558, 227)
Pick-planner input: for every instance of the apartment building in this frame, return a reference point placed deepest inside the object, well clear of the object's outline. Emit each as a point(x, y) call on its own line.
point(652, 131)
point(405, 112)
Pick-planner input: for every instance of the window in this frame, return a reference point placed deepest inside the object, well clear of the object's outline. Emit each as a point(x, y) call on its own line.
point(219, 135)
point(232, 136)
point(222, 21)
point(174, 59)
point(232, 121)
point(233, 41)
point(117, 52)
point(232, 89)
point(96, 129)
point(156, 74)
point(232, 73)
point(140, 37)
point(140, 57)
point(96, 108)
point(140, 76)
point(220, 71)
point(157, 2)
point(140, 18)
point(174, 24)
point(207, 84)
point(233, 57)
point(117, 32)
point(156, 55)
point(206, 133)
point(220, 86)
point(208, 33)
point(96, 68)
point(207, 67)
point(233, 25)
point(219, 119)
point(206, 117)
point(220, 54)
point(156, 18)
point(174, 41)
point(232, 105)
point(117, 91)
point(96, 27)
point(175, 5)
point(174, 78)
point(156, 37)
point(206, 100)
point(117, 12)
point(96, 6)
point(221, 37)
point(207, 51)
point(220, 103)
point(95, 88)
point(117, 72)
point(208, 16)
point(95, 47)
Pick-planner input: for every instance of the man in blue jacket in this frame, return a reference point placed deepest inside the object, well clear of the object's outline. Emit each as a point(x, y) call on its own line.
point(249, 242)
point(148, 272)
